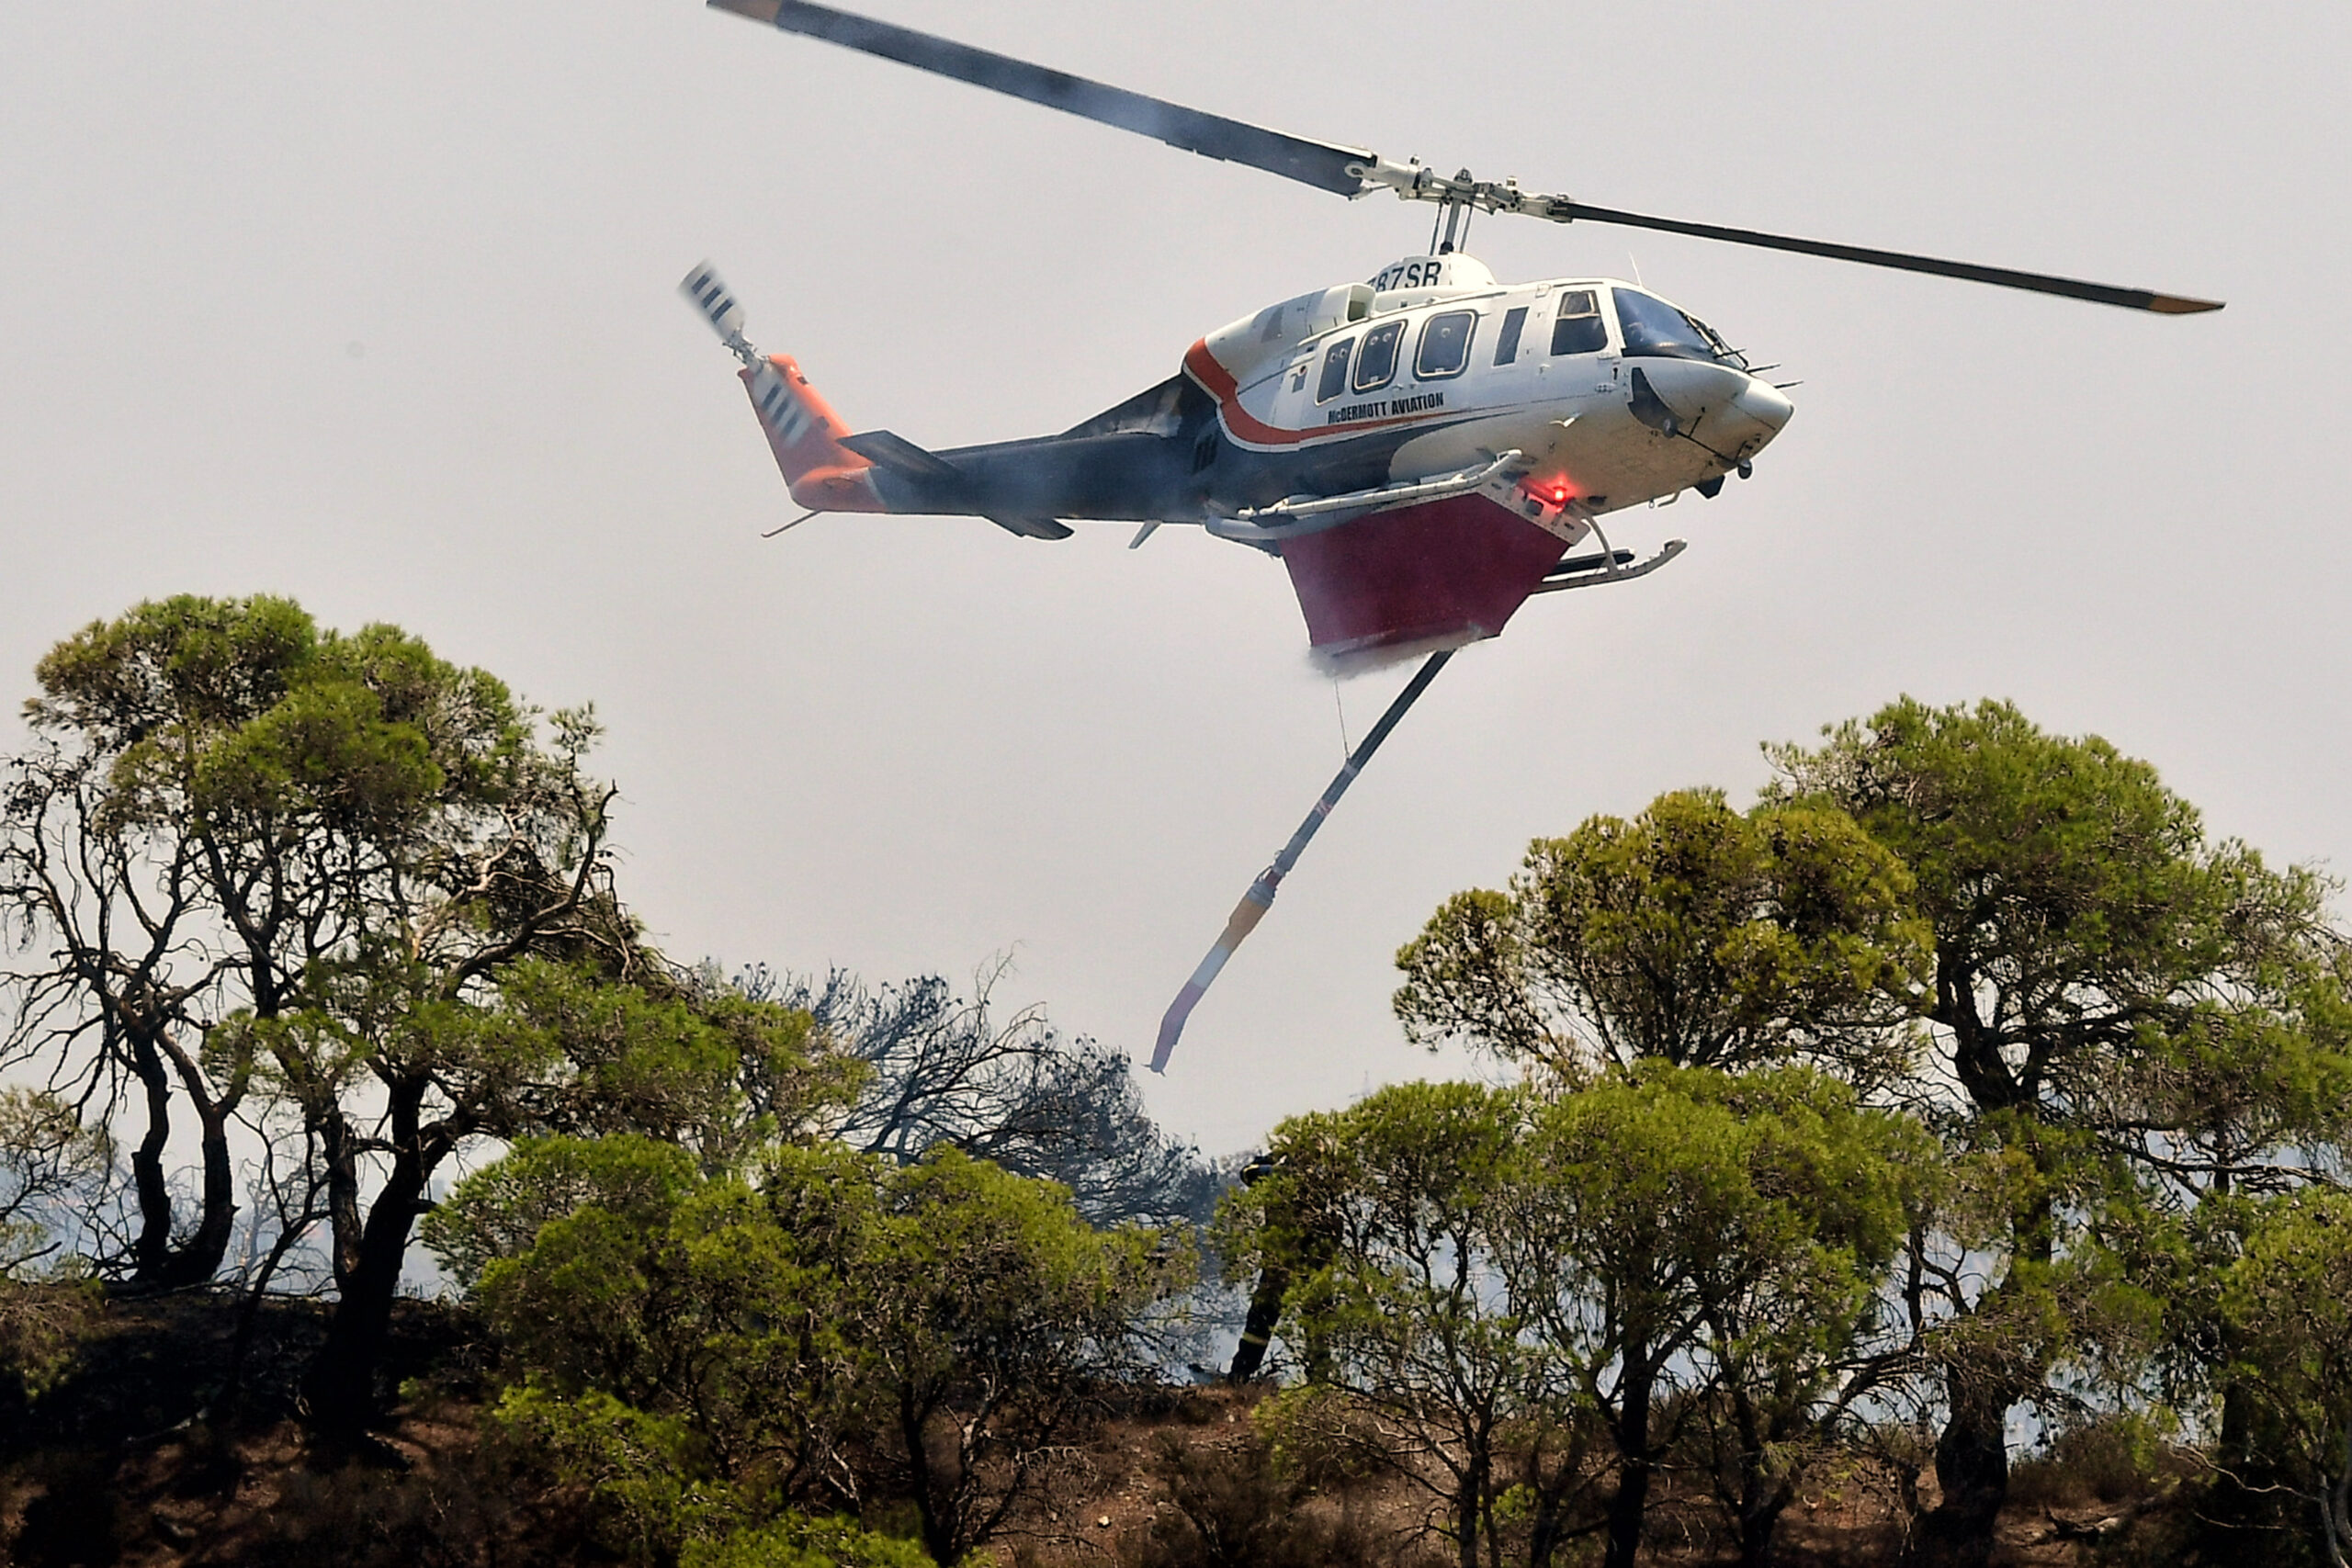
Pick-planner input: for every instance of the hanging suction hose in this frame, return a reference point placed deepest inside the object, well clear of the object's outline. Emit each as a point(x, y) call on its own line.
point(1261, 897)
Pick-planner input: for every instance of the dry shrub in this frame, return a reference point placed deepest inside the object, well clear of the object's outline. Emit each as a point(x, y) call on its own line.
point(1232, 1507)
point(373, 1519)
point(2111, 1459)
point(466, 1509)
point(42, 1326)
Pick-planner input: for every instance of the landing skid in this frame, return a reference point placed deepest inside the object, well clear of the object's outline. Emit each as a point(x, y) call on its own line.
point(1605, 566)
point(1265, 526)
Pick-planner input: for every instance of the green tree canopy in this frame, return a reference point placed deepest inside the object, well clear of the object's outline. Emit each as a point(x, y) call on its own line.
point(220, 798)
point(1693, 935)
point(1496, 1275)
point(359, 898)
point(838, 1327)
point(2286, 1306)
point(1387, 1218)
point(379, 1058)
point(2124, 1012)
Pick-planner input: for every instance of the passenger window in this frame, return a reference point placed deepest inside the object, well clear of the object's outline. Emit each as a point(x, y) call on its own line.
point(1514, 323)
point(1377, 366)
point(1335, 371)
point(1578, 328)
point(1445, 344)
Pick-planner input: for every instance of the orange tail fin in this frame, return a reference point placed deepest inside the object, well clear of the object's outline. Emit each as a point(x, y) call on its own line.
point(803, 431)
point(806, 435)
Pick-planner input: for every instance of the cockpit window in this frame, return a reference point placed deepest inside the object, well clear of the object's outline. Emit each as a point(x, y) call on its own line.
point(1335, 371)
point(1578, 329)
point(1655, 328)
point(1377, 366)
point(1445, 344)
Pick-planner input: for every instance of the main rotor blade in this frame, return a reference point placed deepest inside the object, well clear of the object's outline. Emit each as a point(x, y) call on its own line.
point(1351, 171)
point(2035, 282)
point(1315, 164)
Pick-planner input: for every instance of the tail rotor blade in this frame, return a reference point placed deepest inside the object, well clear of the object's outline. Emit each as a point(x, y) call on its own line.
point(709, 294)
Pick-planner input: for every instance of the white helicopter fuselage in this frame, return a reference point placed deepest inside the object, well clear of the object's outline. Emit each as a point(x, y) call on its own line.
point(1609, 397)
point(1420, 449)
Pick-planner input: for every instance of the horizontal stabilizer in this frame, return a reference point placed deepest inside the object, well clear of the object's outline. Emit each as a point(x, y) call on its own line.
point(1032, 527)
point(944, 481)
point(900, 455)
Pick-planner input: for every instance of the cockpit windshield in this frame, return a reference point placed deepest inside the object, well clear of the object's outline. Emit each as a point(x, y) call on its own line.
point(1651, 326)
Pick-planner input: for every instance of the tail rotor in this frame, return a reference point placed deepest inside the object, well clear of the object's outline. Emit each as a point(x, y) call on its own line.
point(709, 294)
point(803, 431)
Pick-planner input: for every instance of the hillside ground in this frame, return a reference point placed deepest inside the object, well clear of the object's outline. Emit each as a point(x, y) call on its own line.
point(137, 1459)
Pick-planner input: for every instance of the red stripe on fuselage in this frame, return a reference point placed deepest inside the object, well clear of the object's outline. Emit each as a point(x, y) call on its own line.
point(1218, 382)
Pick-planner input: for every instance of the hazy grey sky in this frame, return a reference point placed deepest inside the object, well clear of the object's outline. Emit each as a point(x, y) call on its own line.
point(372, 305)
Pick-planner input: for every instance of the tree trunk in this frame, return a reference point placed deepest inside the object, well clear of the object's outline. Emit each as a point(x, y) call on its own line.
point(1630, 1503)
point(2336, 1507)
point(2235, 1449)
point(1973, 1452)
point(1759, 1521)
point(2234, 1458)
point(1973, 1469)
point(341, 1384)
point(2247, 1500)
point(938, 1538)
point(216, 1225)
point(1763, 1496)
point(339, 1152)
point(151, 1250)
point(1764, 1492)
point(1544, 1532)
point(1469, 1496)
point(159, 1264)
point(1549, 1480)
point(1257, 1331)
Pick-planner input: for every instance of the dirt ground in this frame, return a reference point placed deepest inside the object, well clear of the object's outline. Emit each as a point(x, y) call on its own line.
point(1841, 1519)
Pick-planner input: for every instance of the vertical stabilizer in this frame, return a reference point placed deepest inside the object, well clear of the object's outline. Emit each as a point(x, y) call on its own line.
point(802, 429)
point(806, 435)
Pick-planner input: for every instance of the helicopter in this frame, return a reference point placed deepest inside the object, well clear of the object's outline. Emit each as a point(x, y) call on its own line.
point(1422, 449)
